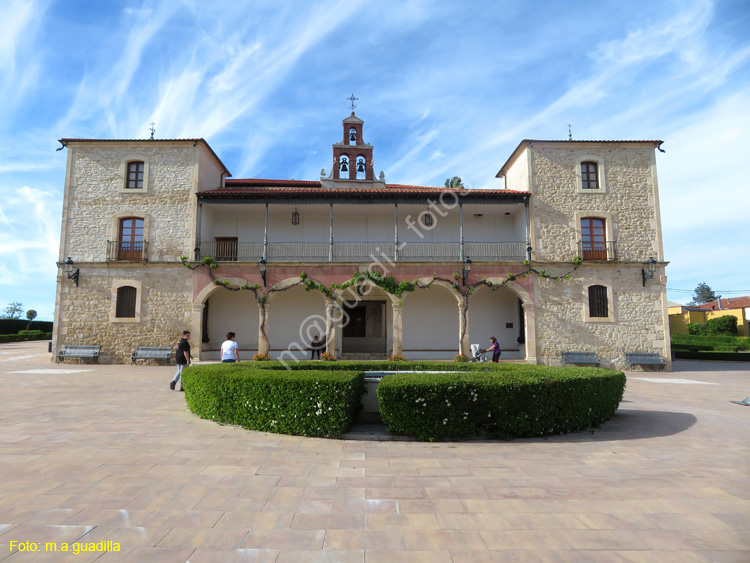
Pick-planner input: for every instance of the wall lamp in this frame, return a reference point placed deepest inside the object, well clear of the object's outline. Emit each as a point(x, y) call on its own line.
point(262, 268)
point(72, 274)
point(465, 270)
point(651, 267)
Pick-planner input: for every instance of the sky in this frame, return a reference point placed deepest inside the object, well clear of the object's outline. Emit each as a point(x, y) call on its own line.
point(445, 88)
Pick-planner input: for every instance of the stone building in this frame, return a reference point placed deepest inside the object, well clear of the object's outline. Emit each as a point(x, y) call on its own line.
point(568, 257)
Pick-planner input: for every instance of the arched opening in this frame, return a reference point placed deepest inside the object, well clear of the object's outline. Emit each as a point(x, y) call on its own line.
point(361, 170)
point(430, 324)
point(344, 166)
point(293, 317)
point(352, 136)
point(366, 327)
point(500, 314)
point(225, 311)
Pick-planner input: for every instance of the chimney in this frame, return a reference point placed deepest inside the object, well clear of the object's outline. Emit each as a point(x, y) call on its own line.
point(719, 300)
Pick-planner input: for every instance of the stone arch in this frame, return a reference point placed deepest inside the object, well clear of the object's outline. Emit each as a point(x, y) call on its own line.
point(431, 322)
point(217, 311)
point(529, 316)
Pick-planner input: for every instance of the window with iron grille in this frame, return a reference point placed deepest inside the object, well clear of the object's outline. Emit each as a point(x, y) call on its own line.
point(598, 305)
point(135, 176)
point(589, 175)
point(126, 296)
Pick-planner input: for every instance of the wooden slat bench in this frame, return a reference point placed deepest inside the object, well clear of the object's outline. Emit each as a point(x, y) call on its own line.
point(79, 351)
point(644, 359)
point(152, 353)
point(587, 358)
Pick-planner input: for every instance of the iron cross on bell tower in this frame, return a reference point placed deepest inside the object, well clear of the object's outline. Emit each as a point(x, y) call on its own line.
point(352, 99)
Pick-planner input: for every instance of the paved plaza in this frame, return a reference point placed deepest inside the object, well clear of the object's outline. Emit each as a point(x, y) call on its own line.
point(95, 454)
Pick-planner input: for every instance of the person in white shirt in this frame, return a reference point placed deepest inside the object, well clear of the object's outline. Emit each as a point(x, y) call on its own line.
point(229, 350)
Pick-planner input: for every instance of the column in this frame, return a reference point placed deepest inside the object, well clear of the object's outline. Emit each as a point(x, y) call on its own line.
point(528, 229)
point(461, 230)
point(331, 316)
point(530, 325)
point(397, 329)
point(463, 323)
point(395, 246)
point(265, 237)
point(198, 232)
point(330, 237)
point(263, 345)
point(196, 330)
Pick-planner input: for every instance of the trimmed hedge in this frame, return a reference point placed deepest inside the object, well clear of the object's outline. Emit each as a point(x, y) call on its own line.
point(302, 402)
point(713, 356)
point(509, 401)
point(738, 342)
point(12, 326)
point(719, 325)
point(25, 337)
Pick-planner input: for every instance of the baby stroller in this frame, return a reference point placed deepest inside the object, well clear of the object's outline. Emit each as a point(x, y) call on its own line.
point(477, 354)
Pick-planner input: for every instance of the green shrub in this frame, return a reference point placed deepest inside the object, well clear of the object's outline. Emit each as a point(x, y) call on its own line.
point(508, 401)
point(726, 325)
point(300, 402)
point(25, 337)
point(29, 332)
point(12, 326)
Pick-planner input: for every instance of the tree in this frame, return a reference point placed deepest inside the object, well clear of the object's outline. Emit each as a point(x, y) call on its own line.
point(30, 315)
point(13, 310)
point(703, 294)
point(454, 182)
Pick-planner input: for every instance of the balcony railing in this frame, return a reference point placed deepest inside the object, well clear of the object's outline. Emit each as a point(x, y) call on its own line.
point(127, 250)
point(598, 250)
point(363, 251)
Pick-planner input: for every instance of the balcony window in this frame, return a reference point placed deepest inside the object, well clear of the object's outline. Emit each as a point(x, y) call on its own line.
point(593, 238)
point(130, 239)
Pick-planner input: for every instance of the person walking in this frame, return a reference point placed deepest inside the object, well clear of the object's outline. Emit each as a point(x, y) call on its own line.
point(230, 351)
point(316, 346)
point(494, 348)
point(182, 358)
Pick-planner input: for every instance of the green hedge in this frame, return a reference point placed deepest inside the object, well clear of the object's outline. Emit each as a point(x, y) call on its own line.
point(713, 356)
point(301, 402)
point(739, 342)
point(12, 326)
point(509, 401)
point(25, 337)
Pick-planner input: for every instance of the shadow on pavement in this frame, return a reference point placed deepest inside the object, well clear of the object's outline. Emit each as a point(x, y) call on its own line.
point(633, 425)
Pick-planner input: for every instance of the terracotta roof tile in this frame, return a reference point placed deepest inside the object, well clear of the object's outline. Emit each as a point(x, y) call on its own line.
point(729, 303)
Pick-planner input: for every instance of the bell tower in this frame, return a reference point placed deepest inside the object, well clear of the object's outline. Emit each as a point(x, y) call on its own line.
point(352, 157)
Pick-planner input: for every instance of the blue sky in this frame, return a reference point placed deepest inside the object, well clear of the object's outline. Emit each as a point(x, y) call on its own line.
point(445, 88)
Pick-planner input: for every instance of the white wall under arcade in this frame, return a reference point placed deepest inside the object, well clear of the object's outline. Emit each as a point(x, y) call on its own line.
point(235, 311)
point(294, 316)
point(490, 313)
point(430, 324)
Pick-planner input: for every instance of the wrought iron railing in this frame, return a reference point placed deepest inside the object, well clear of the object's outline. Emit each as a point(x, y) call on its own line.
point(598, 250)
point(363, 251)
point(127, 250)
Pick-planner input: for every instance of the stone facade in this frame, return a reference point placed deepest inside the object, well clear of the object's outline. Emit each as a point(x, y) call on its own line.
point(534, 318)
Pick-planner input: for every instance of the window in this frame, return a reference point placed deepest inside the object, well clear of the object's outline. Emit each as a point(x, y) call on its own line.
point(598, 302)
point(226, 249)
point(135, 175)
point(126, 302)
point(130, 239)
point(593, 242)
point(589, 176)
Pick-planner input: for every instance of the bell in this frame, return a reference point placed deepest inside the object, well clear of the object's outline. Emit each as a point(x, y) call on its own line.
point(352, 136)
point(360, 166)
point(344, 167)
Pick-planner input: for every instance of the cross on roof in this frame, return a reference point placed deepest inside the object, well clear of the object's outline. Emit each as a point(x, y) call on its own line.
point(352, 99)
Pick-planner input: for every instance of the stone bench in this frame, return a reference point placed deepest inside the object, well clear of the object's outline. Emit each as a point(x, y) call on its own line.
point(587, 358)
point(152, 353)
point(79, 351)
point(644, 359)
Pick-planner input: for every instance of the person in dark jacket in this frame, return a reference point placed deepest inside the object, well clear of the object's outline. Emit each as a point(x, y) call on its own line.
point(182, 358)
point(316, 346)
